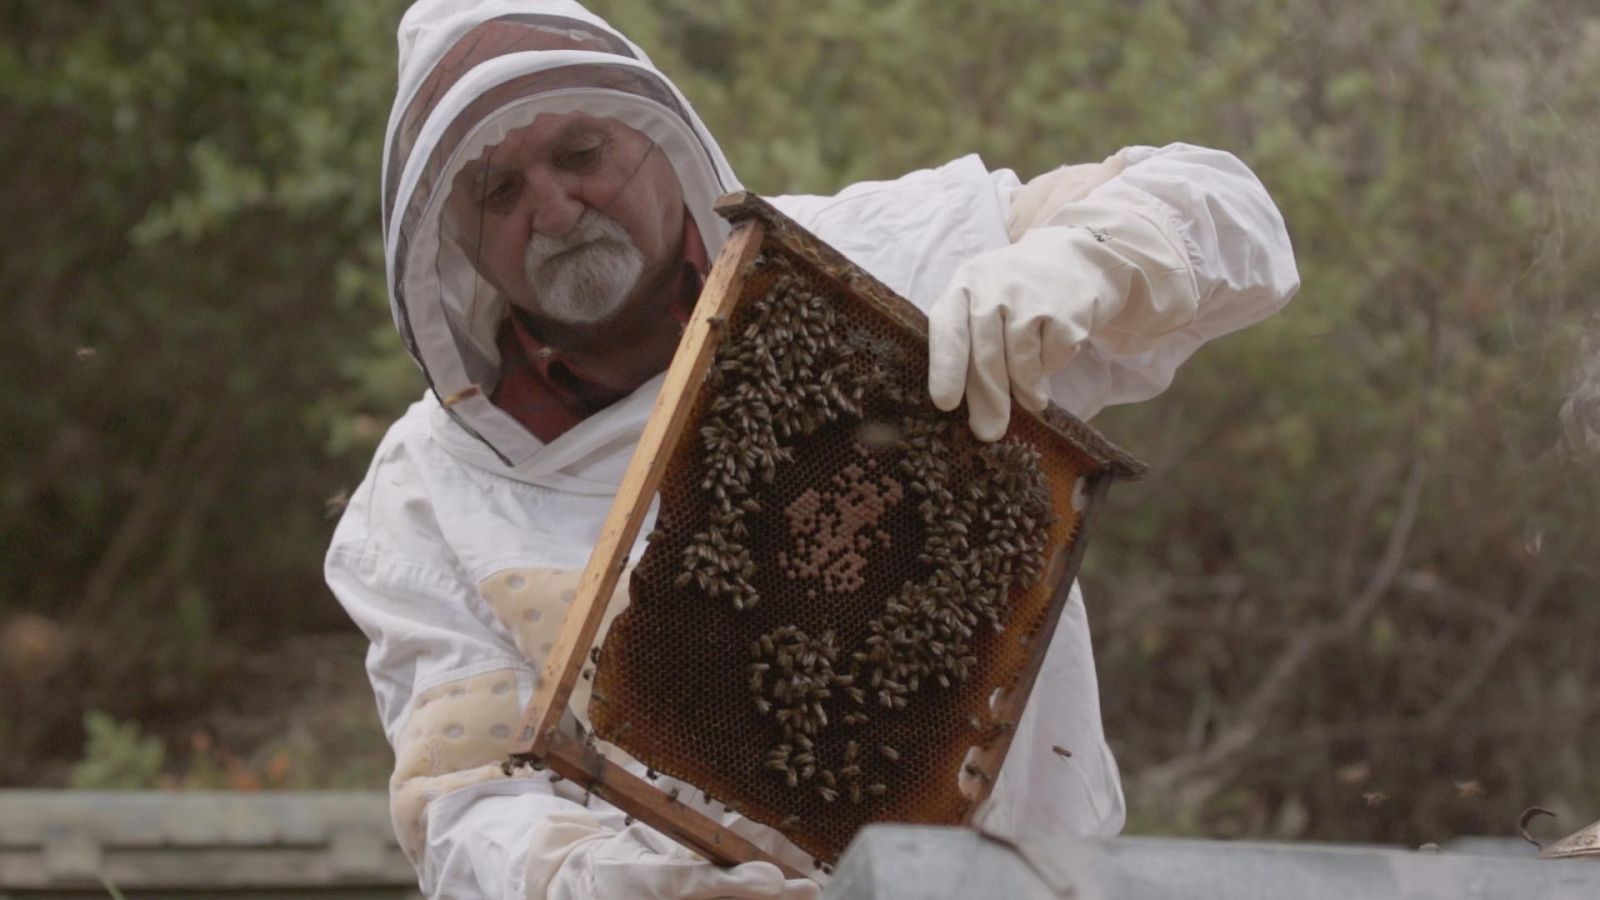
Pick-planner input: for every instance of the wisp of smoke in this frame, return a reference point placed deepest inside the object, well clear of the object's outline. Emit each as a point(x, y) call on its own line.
point(1580, 414)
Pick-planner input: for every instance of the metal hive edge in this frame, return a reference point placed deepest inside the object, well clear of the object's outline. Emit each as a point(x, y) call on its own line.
point(1581, 844)
point(742, 205)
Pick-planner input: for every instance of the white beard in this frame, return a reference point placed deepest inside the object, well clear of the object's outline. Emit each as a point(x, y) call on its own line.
point(584, 276)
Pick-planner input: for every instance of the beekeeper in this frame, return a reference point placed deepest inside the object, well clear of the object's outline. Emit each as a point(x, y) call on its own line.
point(547, 220)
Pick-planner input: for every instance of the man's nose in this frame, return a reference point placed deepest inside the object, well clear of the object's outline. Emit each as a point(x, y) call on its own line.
point(556, 203)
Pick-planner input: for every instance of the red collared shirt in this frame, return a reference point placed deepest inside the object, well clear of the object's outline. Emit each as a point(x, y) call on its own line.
point(544, 392)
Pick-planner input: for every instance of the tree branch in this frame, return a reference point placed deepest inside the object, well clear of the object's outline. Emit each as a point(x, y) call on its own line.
point(1254, 713)
point(141, 513)
point(1467, 686)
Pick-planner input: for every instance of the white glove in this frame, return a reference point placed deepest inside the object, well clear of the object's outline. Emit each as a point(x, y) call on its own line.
point(1107, 269)
point(642, 864)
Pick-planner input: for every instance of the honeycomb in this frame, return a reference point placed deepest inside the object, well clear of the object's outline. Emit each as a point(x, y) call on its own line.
point(840, 577)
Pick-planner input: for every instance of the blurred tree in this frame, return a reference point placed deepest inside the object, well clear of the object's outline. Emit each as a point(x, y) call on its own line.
point(192, 280)
point(1363, 565)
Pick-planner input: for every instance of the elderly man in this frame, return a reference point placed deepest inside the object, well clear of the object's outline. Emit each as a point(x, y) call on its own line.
point(547, 212)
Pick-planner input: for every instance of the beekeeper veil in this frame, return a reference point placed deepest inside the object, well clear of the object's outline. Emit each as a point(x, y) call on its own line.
point(472, 74)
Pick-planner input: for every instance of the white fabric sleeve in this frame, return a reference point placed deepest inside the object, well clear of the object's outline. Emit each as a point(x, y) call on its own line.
point(448, 694)
point(450, 689)
point(1032, 204)
point(1219, 216)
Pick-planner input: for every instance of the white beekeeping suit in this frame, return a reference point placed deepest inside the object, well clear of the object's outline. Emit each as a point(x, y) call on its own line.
point(460, 550)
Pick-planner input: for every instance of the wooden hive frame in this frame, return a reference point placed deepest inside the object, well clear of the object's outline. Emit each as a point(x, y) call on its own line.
point(550, 734)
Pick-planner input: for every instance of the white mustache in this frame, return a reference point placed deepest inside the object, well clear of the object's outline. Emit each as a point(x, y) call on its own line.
point(584, 275)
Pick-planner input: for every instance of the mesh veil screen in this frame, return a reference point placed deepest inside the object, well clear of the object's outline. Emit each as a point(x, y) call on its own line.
point(840, 577)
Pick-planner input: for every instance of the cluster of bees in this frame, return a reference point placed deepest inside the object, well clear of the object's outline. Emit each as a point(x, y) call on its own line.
point(980, 543)
point(985, 511)
point(793, 679)
point(787, 379)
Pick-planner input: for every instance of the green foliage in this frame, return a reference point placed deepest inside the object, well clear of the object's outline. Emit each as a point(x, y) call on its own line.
point(187, 305)
point(116, 756)
point(1363, 560)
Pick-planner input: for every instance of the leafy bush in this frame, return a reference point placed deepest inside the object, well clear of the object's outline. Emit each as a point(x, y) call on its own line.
point(117, 756)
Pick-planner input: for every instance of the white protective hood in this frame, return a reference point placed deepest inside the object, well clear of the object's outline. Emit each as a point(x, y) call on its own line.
point(470, 72)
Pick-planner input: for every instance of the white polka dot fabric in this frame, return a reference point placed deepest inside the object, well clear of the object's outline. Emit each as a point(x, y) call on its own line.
point(532, 604)
point(457, 735)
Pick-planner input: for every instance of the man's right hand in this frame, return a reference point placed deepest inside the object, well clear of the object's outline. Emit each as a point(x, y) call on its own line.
point(639, 862)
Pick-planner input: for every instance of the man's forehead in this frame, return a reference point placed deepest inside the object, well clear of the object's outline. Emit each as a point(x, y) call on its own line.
point(547, 131)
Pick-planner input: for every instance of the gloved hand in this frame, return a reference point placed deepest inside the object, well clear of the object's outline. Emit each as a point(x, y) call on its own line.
point(641, 863)
point(1108, 269)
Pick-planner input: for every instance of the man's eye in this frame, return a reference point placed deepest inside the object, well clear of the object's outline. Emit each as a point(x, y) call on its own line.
point(581, 159)
point(501, 192)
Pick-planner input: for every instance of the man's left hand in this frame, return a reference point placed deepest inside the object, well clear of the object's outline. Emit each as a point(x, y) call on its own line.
point(1016, 315)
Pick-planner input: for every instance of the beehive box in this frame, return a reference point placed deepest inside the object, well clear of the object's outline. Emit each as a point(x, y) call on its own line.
point(845, 593)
